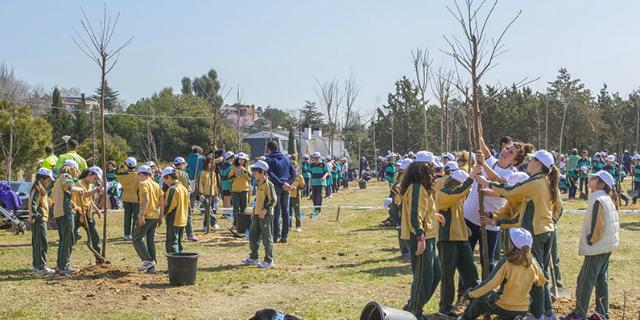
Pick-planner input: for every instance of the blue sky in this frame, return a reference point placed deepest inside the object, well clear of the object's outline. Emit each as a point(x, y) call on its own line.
point(274, 50)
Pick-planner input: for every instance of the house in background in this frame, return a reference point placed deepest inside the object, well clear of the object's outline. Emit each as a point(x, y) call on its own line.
point(70, 103)
point(242, 114)
point(306, 142)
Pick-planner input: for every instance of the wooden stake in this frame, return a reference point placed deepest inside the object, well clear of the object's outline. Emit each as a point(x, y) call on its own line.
point(338, 214)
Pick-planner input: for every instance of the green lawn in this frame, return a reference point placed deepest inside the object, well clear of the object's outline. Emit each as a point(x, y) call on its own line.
point(329, 271)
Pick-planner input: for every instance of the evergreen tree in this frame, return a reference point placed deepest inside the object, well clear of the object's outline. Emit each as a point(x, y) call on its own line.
point(111, 103)
point(61, 121)
point(186, 86)
point(310, 116)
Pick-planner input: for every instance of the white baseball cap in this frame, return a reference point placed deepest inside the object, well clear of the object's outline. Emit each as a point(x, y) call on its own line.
point(611, 158)
point(316, 155)
point(544, 157)
point(439, 164)
point(260, 165)
point(387, 202)
point(150, 164)
point(178, 160)
point(228, 155)
point(45, 172)
point(71, 163)
point(131, 162)
point(517, 177)
point(243, 155)
point(144, 169)
point(167, 171)
point(606, 177)
point(521, 237)
point(424, 156)
point(404, 163)
point(460, 175)
point(451, 166)
point(97, 171)
point(306, 157)
point(449, 156)
point(635, 157)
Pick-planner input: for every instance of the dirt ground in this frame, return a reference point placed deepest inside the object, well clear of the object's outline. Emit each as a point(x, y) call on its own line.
point(329, 271)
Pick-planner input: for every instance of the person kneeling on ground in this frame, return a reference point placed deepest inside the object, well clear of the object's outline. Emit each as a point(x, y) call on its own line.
point(517, 273)
point(600, 236)
point(262, 218)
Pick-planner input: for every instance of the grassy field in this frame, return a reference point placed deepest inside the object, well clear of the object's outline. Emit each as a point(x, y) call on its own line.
point(329, 271)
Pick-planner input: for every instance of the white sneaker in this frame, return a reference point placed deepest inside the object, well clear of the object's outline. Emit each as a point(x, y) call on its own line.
point(216, 227)
point(266, 265)
point(250, 262)
point(299, 229)
point(146, 265)
point(47, 271)
point(127, 238)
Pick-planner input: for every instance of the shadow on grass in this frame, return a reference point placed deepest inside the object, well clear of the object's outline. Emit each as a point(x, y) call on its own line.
point(220, 268)
point(633, 226)
point(389, 271)
point(162, 285)
point(107, 274)
point(18, 275)
point(358, 264)
point(26, 244)
point(374, 228)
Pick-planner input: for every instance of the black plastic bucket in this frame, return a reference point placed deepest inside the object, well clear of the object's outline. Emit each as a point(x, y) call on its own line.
point(362, 184)
point(182, 268)
point(376, 311)
point(244, 222)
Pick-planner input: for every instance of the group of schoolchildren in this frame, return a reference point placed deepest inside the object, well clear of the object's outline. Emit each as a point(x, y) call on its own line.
point(430, 203)
point(575, 168)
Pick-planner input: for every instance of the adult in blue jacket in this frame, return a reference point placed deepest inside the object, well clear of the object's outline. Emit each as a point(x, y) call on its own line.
point(194, 163)
point(282, 174)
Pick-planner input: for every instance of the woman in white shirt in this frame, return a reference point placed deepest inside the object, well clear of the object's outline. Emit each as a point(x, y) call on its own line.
point(499, 171)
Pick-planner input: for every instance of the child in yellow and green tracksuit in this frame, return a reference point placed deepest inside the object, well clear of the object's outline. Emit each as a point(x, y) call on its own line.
point(515, 274)
point(208, 189)
point(418, 233)
point(85, 209)
point(543, 209)
point(180, 166)
point(294, 203)
point(130, 202)
point(600, 236)
point(262, 218)
point(63, 213)
point(38, 217)
point(240, 178)
point(176, 209)
point(150, 196)
point(453, 245)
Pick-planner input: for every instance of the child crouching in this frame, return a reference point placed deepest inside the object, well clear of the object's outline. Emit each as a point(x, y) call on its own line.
point(517, 272)
point(599, 237)
point(262, 218)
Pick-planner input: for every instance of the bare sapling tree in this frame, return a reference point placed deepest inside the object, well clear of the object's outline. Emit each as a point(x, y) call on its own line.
point(441, 89)
point(422, 68)
point(351, 91)
point(476, 53)
point(240, 101)
point(95, 41)
point(331, 97)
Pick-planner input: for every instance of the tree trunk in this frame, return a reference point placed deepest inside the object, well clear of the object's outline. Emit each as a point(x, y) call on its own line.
point(103, 156)
point(564, 115)
point(9, 159)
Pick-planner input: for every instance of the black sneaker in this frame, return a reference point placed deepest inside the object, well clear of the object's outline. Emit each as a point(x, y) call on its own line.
point(448, 313)
point(283, 240)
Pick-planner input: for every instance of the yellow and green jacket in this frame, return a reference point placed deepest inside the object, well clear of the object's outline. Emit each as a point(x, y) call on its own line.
point(62, 195)
point(83, 204)
point(240, 182)
point(516, 282)
point(450, 204)
point(265, 197)
point(510, 214)
point(177, 203)
point(151, 190)
point(129, 184)
point(418, 213)
point(39, 203)
point(298, 184)
point(183, 177)
point(208, 183)
point(539, 212)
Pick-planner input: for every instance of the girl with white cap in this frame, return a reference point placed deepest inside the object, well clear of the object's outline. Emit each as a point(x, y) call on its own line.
point(453, 238)
point(418, 232)
point(86, 208)
point(240, 177)
point(319, 172)
point(543, 209)
point(516, 274)
point(395, 207)
point(208, 189)
point(38, 217)
point(599, 237)
point(613, 168)
point(130, 202)
point(225, 168)
point(180, 167)
point(176, 209)
point(150, 196)
point(63, 213)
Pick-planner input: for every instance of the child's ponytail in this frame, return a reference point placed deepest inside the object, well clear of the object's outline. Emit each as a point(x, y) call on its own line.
point(520, 257)
point(554, 180)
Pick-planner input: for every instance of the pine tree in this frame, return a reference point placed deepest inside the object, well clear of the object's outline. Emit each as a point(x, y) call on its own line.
point(111, 103)
point(311, 117)
point(186, 86)
point(61, 121)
